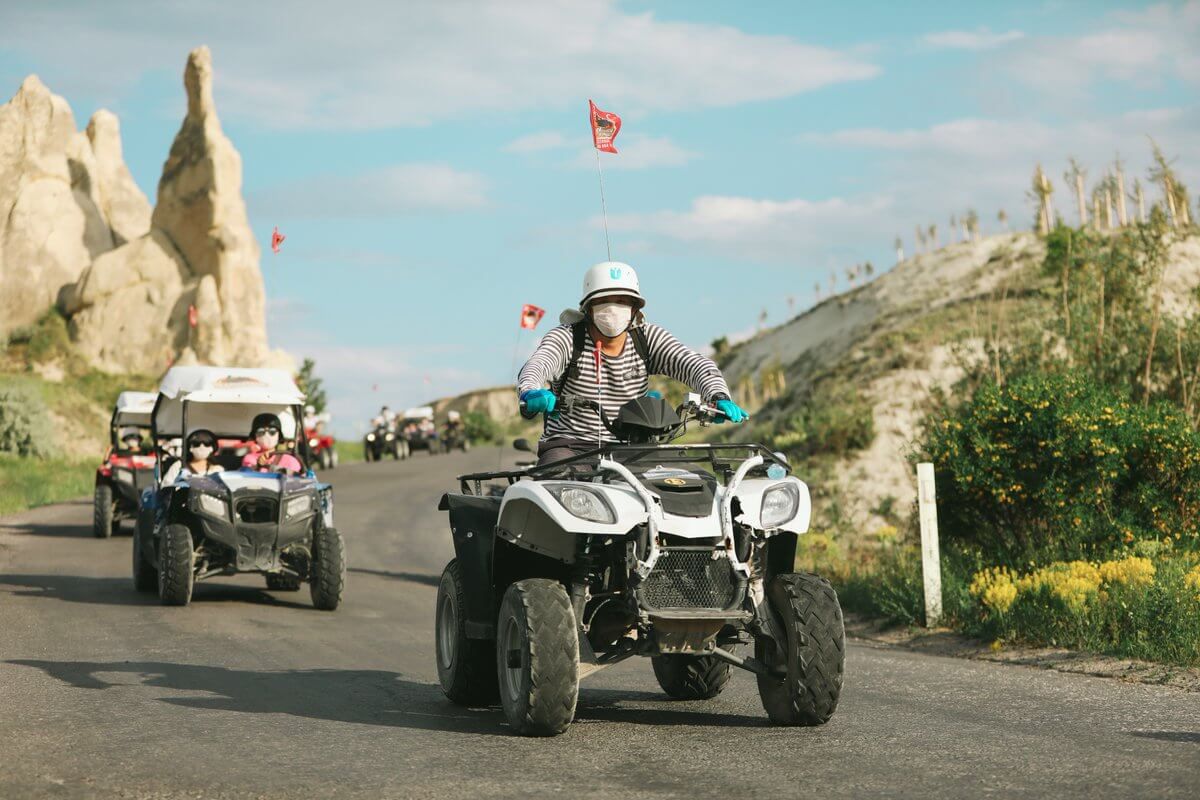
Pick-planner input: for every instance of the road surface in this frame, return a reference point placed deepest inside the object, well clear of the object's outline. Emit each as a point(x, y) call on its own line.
point(246, 693)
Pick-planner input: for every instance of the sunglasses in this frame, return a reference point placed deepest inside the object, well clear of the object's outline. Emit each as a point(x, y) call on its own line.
point(272, 430)
point(202, 443)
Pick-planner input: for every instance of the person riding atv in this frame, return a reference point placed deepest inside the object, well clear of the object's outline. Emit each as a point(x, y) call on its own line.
point(684, 554)
point(128, 467)
point(606, 350)
point(454, 433)
point(222, 513)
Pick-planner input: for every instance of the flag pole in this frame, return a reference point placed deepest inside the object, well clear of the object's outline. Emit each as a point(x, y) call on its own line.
point(603, 207)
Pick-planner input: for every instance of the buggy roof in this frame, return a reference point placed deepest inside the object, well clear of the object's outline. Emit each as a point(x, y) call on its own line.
point(134, 409)
point(226, 399)
point(420, 412)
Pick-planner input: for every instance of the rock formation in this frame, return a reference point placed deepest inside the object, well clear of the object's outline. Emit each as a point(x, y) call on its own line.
point(65, 198)
point(129, 309)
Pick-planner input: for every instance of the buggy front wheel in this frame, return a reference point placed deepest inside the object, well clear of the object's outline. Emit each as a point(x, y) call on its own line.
point(537, 657)
point(103, 511)
point(328, 577)
point(176, 566)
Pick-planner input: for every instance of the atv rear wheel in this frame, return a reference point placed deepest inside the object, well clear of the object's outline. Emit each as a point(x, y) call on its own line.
point(333, 458)
point(324, 459)
point(328, 577)
point(145, 576)
point(537, 657)
point(103, 511)
point(279, 582)
point(691, 677)
point(466, 667)
point(176, 566)
point(806, 609)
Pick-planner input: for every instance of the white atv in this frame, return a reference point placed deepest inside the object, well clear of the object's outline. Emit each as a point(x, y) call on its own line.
point(683, 553)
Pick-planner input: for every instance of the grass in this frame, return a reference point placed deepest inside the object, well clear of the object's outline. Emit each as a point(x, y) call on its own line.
point(30, 482)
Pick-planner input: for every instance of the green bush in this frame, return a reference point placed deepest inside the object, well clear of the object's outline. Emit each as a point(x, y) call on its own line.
point(24, 423)
point(1057, 467)
point(49, 339)
point(480, 427)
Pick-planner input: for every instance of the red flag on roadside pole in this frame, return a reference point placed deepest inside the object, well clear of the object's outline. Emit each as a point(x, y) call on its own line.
point(193, 318)
point(276, 239)
point(530, 316)
point(605, 127)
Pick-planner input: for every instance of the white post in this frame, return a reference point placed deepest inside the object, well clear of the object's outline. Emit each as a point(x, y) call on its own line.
point(931, 565)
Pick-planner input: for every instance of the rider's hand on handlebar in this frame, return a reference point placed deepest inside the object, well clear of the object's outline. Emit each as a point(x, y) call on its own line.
point(537, 401)
point(730, 411)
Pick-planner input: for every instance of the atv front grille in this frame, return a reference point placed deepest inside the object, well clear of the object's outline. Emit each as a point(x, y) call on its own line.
point(258, 509)
point(690, 577)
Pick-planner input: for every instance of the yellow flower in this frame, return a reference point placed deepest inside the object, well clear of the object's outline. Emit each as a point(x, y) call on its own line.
point(994, 588)
point(1192, 580)
point(1132, 571)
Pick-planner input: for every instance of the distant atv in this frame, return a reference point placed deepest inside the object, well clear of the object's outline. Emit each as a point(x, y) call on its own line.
point(322, 448)
point(455, 439)
point(383, 441)
point(682, 553)
point(123, 476)
point(238, 520)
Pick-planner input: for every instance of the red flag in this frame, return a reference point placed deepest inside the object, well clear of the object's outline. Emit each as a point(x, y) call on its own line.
point(531, 316)
point(605, 127)
point(276, 239)
point(193, 318)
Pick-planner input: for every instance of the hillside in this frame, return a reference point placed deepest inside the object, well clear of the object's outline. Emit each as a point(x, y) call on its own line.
point(887, 347)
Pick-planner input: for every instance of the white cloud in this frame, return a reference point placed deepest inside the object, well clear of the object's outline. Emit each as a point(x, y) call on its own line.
point(398, 188)
point(782, 231)
point(1141, 47)
point(980, 39)
point(981, 138)
point(537, 142)
point(371, 63)
point(638, 152)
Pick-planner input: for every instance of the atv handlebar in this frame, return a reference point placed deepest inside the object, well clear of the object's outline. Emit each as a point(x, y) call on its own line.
point(704, 413)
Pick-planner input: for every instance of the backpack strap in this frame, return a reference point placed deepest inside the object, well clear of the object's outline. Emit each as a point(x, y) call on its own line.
point(641, 344)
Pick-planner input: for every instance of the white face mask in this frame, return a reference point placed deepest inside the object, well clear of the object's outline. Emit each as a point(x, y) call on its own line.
point(612, 319)
point(200, 452)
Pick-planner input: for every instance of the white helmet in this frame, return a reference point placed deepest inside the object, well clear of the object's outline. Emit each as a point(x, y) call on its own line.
point(452, 415)
point(610, 279)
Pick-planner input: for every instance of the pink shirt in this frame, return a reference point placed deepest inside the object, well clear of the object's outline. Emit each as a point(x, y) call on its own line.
point(278, 461)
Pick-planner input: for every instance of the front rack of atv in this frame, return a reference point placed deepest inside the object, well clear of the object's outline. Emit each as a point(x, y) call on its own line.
point(585, 463)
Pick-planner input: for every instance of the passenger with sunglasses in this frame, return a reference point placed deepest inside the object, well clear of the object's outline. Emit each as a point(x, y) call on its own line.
point(264, 455)
point(201, 450)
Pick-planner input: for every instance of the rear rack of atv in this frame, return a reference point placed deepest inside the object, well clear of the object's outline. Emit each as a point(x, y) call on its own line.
point(585, 463)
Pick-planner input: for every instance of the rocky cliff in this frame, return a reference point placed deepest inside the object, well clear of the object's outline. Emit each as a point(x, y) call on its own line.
point(77, 230)
point(66, 197)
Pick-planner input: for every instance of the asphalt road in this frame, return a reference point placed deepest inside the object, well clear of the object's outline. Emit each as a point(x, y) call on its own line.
point(104, 693)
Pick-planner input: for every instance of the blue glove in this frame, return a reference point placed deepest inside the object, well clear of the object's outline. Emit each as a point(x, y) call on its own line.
point(537, 401)
point(654, 394)
point(731, 411)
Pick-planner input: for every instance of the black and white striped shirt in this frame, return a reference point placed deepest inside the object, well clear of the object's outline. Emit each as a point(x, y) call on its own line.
point(622, 377)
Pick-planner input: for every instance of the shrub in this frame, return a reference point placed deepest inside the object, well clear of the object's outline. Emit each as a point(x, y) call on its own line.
point(49, 339)
point(24, 423)
point(1055, 467)
point(480, 427)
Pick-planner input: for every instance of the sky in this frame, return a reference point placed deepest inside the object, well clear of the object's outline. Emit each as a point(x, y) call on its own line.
point(431, 165)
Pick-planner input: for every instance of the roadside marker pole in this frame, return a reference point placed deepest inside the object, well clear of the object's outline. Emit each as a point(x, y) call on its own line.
point(931, 565)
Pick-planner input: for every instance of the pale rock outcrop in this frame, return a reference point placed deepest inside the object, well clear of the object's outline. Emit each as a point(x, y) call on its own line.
point(121, 201)
point(51, 226)
point(129, 310)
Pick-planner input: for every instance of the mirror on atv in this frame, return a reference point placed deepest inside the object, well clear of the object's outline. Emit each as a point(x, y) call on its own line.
point(522, 445)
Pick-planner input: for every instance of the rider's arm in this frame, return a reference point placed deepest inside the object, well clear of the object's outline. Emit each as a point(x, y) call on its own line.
point(668, 356)
point(548, 362)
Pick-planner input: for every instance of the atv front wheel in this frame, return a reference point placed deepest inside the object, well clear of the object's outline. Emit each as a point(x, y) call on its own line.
point(333, 458)
point(537, 657)
point(328, 577)
point(176, 566)
point(145, 576)
point(806, 609)
point(691, 677)
point(279, 582)
point(103, 511)
point(466, 667)
point(324, 459)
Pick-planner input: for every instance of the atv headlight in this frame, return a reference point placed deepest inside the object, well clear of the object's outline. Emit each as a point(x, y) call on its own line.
point(313, 442)
point(212, 505)
point(124, 475)
point(390, 437)
point(370, 437)
point(584, 503)
point(779, 505)
point(297, 506)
